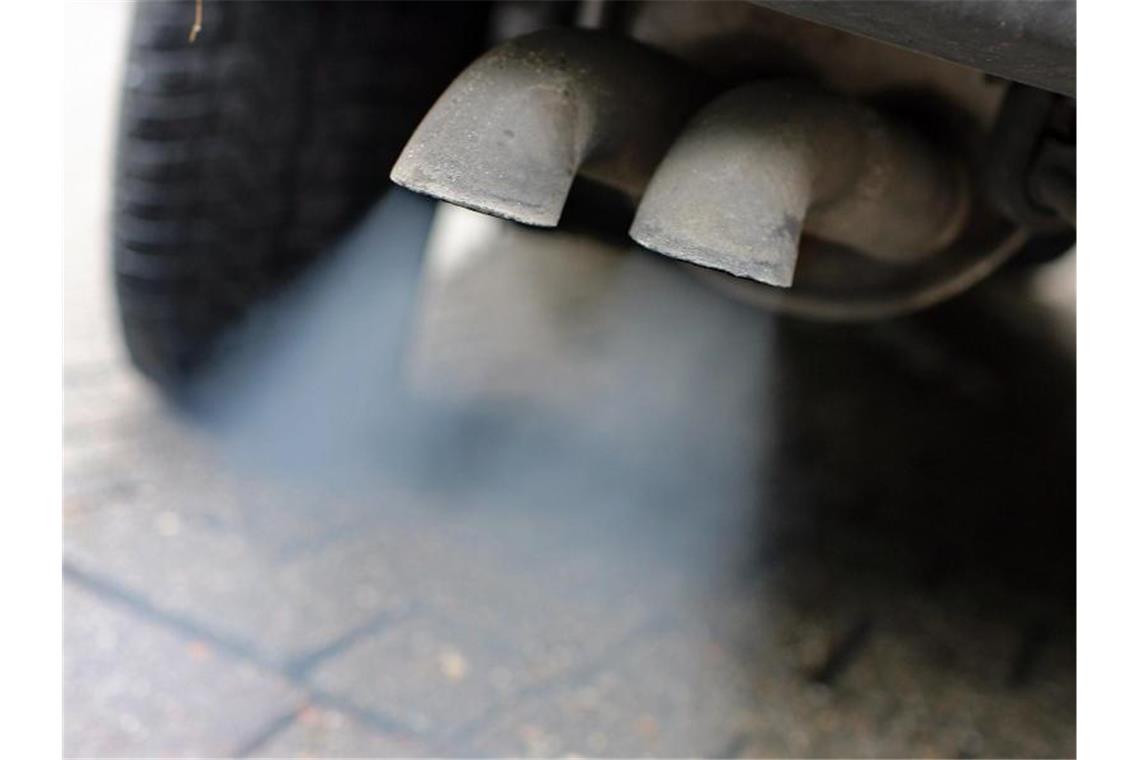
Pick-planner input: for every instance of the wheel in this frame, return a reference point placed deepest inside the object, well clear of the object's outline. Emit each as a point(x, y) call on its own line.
point(246, 153)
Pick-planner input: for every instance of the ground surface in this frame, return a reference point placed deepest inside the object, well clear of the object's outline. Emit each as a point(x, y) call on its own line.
point(564, 501)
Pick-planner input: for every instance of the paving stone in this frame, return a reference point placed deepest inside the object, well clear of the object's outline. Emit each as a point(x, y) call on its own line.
point(479, 641)
point(132, 688)
point(430, 677)
point(671, 694)
point(320, 732)
point(229, 584)
point(516, 627)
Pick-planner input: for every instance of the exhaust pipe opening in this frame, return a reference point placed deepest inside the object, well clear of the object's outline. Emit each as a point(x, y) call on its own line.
point(513, 130)
point(766, 162)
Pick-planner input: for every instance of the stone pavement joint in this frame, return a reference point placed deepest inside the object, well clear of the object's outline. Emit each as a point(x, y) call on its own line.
point(273, 729)
point(142, 607)
point(294, 672)
point(301, 666)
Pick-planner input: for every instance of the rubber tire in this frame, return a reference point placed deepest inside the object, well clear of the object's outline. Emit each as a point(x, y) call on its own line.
point(244, 155)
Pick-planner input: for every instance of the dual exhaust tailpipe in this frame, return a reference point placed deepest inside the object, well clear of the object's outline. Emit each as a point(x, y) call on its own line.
point(732, 187)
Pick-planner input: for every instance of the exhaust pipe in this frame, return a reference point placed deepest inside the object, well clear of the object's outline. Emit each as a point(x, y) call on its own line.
point(513, 130)
point(766, 162)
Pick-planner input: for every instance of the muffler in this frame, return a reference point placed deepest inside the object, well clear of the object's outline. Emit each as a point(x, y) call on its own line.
point(513, 130)
point(766, 162)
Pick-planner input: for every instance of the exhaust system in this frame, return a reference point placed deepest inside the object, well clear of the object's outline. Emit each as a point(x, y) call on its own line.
point(747, 176)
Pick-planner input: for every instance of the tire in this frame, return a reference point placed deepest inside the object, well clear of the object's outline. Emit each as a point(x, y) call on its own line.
point(244, 155)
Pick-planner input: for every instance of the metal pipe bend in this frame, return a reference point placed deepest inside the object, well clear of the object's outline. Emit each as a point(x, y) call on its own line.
point(513, 130)
point(768, 161)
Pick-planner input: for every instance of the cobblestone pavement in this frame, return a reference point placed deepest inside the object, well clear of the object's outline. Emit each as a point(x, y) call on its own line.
point(601, 510)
